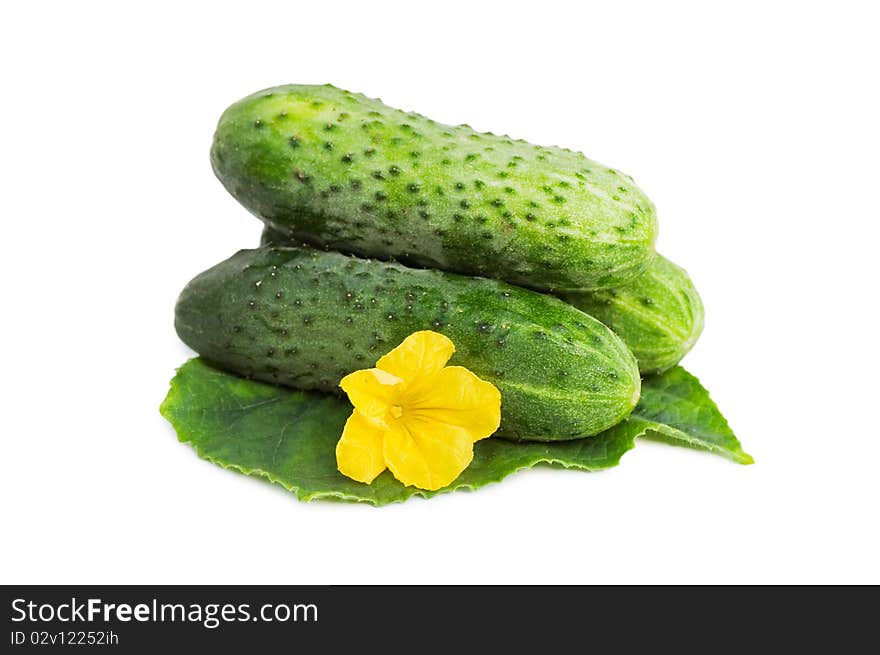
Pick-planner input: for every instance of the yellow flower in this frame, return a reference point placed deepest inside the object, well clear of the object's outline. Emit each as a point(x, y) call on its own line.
point(415, 415)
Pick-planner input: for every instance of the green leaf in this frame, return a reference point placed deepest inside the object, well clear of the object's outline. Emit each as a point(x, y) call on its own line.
point(680, 410)
point(290, 437)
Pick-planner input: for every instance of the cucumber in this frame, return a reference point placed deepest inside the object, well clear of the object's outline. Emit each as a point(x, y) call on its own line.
point(341, 170)
point(659, 315)
point(305, 318)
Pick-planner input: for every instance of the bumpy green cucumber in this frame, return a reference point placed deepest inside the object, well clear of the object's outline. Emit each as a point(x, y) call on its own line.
point(305, 318)
point(338, 169)
point(659, 315)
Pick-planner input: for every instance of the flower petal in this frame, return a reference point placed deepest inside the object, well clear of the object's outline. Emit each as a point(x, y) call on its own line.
point(457, 397)
point(372, 391)
point(425, 454)
point(359, 453)
point(421, 354)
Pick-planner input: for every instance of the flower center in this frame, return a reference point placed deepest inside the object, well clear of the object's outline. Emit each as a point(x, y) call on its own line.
point(396, 411)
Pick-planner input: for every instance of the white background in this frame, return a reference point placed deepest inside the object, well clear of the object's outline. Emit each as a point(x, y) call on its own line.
point(754, 128)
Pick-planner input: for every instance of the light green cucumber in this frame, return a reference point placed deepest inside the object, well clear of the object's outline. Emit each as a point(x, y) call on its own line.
point(659, 315)
point(305, 318)
point(341, 170)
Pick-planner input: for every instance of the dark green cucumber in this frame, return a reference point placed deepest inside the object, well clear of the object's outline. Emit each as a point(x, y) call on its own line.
point(305, 318)
point(659, 315)
point(338, 169)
